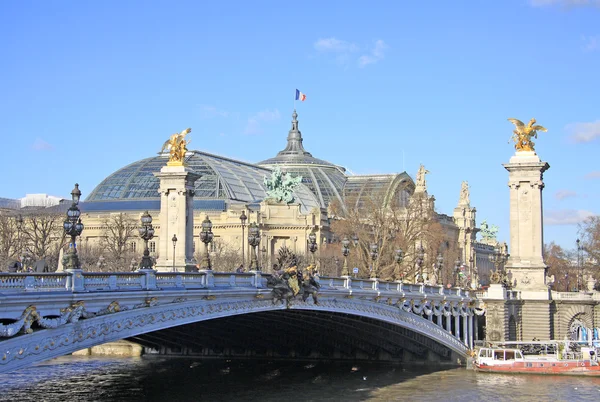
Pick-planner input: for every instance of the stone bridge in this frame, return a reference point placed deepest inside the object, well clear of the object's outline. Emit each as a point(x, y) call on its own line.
point(43, 316)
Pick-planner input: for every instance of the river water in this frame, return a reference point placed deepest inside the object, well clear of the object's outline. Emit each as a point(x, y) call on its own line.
point(70, 378)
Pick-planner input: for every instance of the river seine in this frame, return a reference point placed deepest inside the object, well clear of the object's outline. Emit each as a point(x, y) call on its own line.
point(69, 379)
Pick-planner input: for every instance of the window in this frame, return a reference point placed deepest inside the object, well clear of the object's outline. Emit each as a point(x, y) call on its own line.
point(152, 246)
point(132, 246)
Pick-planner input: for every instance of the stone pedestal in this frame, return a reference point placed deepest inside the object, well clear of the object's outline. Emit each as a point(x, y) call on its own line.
point(176, 218)
point(525, 266)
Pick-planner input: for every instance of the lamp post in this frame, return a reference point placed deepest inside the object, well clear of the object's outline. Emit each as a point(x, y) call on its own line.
point(19, 221)
point(100, 264)
point(174, 240)
point(263, 252)
point(253, 241)
point(438, 266)
point(147, 233)
point(312, 244)
point(206, 236)
point(420, 260)
point(457, 273)
point(498, 258)
point(398, 257)
point(374, 256)
point(73, 227)
point(579, 273)
point(345, 252)
point(243, 219)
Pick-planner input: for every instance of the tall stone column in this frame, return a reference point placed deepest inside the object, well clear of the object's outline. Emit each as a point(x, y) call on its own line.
point(525, 266)
point(526, 261)
point(176, 218)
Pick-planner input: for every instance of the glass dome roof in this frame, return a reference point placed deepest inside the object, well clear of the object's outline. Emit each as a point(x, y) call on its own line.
point(221, 178)
point(324, 179)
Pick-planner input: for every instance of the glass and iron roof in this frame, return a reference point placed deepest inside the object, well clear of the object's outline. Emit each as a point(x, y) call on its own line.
point(221, 179)
point(383, 187)
point(324, 179)
point(135, 186)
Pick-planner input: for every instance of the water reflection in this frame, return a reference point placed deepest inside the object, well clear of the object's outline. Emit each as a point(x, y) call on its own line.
point(161, 379)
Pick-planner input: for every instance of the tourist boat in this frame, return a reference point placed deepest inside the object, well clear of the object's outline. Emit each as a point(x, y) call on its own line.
point(551, 357)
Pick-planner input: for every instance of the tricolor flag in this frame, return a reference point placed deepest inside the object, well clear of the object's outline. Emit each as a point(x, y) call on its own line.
point(300, 96)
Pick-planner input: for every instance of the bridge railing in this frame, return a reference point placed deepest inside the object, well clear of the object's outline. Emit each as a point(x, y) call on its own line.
point(80, 281)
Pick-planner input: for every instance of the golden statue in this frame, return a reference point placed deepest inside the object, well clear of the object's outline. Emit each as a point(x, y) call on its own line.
point(176, 145)
point(523, 133)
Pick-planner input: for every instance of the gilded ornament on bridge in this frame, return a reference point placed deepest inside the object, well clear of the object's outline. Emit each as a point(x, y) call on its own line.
point(522, 134)
point(177, 147)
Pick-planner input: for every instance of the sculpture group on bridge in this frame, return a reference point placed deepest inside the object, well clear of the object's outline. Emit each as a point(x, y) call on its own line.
point(292, 282)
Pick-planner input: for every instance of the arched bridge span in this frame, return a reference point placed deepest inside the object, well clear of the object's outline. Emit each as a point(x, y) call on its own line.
point(229, 314)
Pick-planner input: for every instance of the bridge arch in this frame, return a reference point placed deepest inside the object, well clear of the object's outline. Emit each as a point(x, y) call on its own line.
point(137, 323)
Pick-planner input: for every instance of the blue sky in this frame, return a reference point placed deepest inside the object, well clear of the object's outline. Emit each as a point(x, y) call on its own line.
point(89, 87)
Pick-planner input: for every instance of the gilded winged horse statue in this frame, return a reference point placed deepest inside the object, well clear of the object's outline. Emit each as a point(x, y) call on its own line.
point(176, 145)
point(522, 134)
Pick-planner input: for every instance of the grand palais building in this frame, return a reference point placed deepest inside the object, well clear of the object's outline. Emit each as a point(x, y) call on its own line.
point(228, 187)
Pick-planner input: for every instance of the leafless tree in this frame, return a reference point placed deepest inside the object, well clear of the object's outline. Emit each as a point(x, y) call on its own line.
point(43, 233)
point(9, 239)
point(118, 234)
point(589, 232)
point(389, 225)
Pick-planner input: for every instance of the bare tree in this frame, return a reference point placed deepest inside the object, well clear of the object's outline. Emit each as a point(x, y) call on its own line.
point(386, 224)
point(224, 256)
point(118, 233)
point(41, 231)
point(589, 232)
point(9, 239)
point(560, 264)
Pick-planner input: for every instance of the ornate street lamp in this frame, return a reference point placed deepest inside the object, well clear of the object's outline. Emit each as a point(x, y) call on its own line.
point(457, 265)
point(19, 221)
point(420, 260)
point(147, 233)
point(73, 227)
point(579, 273)
point(345, 252)
point(263, 251)
point(206, 236)
point(498, 258)
point(253, 241)
point(100, 264)
point(243, 219)
point(174, 240)
point(374, 256)
point(398, 257)
point(438, 266)
point(312, 244)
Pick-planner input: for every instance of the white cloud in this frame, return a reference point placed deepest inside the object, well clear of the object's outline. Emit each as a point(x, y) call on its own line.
point(566, 216)
point(591, 43)
point(334, 45)
point(593, 175)
point(253, 126)
point(344, 51)
point(562, 194)
point(41, 145)
point(376, 54)
point(565, 3)
point(207, 111)
point(583, 132)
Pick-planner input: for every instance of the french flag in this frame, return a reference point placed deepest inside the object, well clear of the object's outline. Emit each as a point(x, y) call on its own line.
point(300, 96)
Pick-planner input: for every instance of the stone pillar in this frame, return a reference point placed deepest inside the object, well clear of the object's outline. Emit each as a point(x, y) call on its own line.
point(470, 329)
point(176, 218)
point(525, 265)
